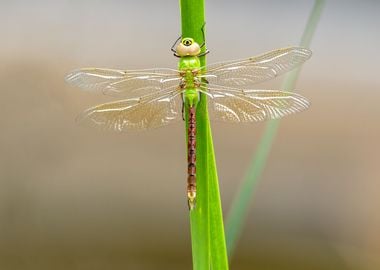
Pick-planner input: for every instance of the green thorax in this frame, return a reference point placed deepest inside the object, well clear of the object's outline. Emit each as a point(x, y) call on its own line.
point(187, 64)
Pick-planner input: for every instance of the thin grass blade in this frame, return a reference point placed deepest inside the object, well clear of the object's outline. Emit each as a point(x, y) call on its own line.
point(239, 208)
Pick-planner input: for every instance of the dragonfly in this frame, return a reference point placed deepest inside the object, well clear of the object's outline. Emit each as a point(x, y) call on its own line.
point(151, 98)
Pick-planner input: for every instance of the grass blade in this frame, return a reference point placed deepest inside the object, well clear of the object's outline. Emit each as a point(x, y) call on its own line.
point(206, 220)
point(240, 204)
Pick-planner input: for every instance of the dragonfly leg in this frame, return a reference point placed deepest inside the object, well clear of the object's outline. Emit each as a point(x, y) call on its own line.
point(183, 108)
point(203, 34)
point(183, 111)
point(204, 53)
point(173, 46)
point(204, 41)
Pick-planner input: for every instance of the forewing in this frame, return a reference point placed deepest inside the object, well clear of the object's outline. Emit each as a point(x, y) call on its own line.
point(132, 114)
point(247, 72)
point(232, 105)
point(124, 83)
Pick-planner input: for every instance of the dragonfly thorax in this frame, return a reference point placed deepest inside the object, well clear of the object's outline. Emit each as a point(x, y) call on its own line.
point(189, 67)
point(189, 63)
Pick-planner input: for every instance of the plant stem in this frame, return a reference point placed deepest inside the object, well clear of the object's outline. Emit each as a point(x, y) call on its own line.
point(206, 220)
point(240, 204)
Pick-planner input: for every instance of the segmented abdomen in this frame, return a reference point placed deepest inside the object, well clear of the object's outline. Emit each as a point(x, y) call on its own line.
point(191, 158)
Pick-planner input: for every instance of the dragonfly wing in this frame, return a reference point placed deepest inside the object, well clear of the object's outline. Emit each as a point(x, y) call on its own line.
point(244, 73)
point(233, 105)
point(131, 114)
point(124, 83)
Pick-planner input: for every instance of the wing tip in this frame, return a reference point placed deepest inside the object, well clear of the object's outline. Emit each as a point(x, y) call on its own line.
point(87, 119)
point(69, 76)
point(305, 51)
point(73, 77)
point(84, 116)
point(302, 102)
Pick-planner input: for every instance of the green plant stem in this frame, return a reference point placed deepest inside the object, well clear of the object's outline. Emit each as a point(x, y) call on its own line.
point(239, 208)
point(206, 220)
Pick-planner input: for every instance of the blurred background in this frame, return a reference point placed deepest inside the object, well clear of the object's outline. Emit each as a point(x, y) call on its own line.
point(78, 198)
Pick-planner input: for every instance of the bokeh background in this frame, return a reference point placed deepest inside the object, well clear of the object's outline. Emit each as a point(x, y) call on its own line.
point(77, 198)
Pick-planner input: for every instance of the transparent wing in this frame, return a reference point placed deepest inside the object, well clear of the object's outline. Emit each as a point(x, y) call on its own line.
point(244, 73)
point(234, 105)
point(130, 114)
point(124, 83)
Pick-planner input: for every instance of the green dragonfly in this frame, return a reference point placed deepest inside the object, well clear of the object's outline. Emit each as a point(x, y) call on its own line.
point(156, 97)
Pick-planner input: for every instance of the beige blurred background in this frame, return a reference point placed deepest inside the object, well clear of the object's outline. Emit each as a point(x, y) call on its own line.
point(77, 198)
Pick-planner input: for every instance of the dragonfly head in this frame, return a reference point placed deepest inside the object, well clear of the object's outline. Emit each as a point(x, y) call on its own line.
point(188, 47)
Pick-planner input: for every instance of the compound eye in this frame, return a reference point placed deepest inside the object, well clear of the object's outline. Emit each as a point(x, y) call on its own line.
point(187, 42)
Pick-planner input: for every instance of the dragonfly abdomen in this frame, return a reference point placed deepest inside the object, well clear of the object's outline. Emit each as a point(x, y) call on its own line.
point(191, 159)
